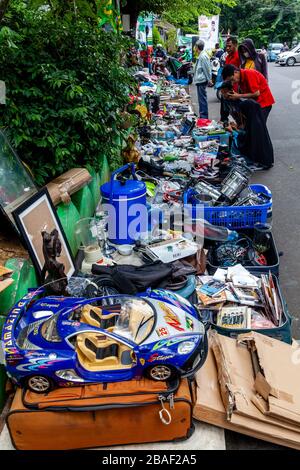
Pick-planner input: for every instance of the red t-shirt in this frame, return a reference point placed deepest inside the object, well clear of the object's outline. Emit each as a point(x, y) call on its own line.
point(233, 59)
point(252, 81)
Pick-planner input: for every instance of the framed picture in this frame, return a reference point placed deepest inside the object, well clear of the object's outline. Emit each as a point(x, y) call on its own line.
point(35, 218)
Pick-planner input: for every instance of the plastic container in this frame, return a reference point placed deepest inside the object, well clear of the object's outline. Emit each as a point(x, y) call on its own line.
point(126, 223)
point(68, 216)
point(281, 333)
point(222, 138)
point(272, 256)
point(24, 277)
point(84, 202)
point(235, 217)
point(94, 186)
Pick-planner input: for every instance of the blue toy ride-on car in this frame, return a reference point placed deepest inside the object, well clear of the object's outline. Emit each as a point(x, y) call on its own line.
point(63, 341)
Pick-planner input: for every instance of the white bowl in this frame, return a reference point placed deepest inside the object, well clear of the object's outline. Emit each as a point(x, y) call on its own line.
point(125, 250)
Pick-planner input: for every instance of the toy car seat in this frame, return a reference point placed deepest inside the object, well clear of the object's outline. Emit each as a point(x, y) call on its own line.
point(93, 316)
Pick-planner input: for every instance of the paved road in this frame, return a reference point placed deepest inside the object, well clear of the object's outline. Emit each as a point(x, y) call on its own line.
point(284, 181)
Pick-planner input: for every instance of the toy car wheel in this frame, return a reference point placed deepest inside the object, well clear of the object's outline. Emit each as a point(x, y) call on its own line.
point(161, 373)
point(39, 384)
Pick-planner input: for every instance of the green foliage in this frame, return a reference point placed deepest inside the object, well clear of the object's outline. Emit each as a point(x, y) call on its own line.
point(264, 22)
point(157, 39)
point(66, 89)
point(184, 13)
point(171, 42)
point(181, 13)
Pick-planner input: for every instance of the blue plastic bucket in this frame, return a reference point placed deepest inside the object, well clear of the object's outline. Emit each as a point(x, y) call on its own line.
point(125, 202)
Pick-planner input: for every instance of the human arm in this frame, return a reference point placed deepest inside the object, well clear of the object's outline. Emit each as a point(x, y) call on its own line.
point(236, 96)
point(205, 62)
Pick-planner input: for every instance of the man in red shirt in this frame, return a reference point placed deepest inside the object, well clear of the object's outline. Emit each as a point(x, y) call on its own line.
point(252, 85)
point(232, 57)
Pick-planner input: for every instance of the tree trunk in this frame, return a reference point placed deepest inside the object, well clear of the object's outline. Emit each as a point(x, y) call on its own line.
point(3, 7)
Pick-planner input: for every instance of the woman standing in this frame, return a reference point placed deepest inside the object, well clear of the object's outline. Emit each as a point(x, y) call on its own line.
point(251, 59)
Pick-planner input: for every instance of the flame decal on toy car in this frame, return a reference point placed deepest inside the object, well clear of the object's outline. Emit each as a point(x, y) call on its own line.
point(35, 364)
point(166, 343)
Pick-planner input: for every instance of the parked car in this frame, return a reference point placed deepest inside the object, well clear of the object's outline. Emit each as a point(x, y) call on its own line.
point(63, 341)
point(274, 50)
point(289, 58)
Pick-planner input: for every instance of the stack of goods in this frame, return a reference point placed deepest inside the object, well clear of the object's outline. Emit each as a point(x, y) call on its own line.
point(235, 299)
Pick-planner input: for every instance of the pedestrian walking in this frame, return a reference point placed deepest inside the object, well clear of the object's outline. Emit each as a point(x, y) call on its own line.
point(285, 48)
point(202, 78)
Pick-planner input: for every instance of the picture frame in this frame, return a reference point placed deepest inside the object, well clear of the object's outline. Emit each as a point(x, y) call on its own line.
point(38, 214)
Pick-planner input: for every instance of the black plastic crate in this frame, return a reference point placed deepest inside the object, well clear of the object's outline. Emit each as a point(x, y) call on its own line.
point(281, 333)
point(272, 255)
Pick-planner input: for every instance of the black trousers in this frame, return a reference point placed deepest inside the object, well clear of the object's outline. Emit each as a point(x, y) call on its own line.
point(225, 111)
point(265, 112)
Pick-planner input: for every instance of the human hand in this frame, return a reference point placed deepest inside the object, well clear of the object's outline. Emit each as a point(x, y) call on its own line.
point(233, 95)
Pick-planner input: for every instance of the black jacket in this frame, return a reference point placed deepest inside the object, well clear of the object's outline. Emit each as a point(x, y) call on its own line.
point(260, 60)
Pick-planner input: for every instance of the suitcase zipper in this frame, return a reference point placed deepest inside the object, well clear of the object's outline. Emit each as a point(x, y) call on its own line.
point(164, 393)
point(164, 415)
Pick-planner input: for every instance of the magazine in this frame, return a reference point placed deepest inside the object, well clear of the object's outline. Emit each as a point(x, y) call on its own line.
point(234, 318)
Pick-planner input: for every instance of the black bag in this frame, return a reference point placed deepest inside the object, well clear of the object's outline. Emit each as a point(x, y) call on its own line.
point(132, 279)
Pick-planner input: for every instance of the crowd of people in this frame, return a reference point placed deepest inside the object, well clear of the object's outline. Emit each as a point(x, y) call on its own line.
point(246, 98)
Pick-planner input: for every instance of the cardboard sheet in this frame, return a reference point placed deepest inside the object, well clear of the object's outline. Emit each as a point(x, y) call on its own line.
point(237, 378)
point(278, 380)
point(209, 408)
point(5, 279)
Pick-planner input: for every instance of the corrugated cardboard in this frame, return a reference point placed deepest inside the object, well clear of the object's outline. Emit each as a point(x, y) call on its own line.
point(209, 408)
point(278, 380)
point(5, 279)
point(237, 379)
point(61, 188)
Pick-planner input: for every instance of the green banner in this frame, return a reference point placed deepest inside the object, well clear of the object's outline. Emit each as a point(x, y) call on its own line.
point(109, 15)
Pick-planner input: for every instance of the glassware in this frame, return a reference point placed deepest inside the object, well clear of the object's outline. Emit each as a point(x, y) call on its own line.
point(262, 237)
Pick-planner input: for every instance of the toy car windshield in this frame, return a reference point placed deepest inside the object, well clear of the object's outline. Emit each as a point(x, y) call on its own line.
point(49, 330)
point(136, 319)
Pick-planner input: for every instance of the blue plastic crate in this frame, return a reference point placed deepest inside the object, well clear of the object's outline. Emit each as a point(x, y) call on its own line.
point(235, 217)
point(222, 138)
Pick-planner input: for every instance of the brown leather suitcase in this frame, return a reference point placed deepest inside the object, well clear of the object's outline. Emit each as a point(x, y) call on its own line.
point(102, 415)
